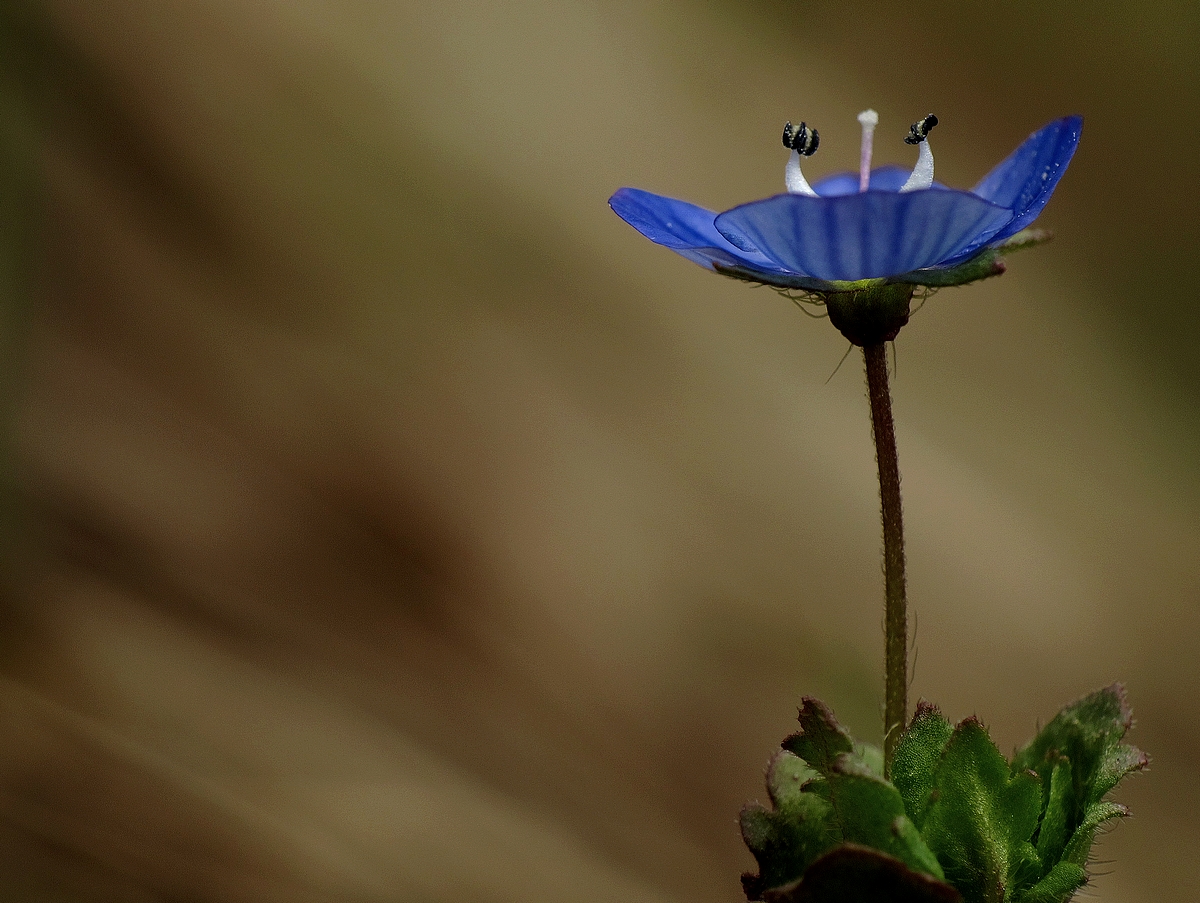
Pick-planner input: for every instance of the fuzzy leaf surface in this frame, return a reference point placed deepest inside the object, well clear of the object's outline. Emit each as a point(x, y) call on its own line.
point(867, 810)
point(918, 754)
point(821, 739)
point(955, 810)
point(1080, 758)
point(1055, 829)
point(1057, 887)
point(981, 817)
point(787, 838)
point(1089, 733)
point(826, 790)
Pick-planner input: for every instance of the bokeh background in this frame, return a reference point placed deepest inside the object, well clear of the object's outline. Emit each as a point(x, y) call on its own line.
point(385, 520)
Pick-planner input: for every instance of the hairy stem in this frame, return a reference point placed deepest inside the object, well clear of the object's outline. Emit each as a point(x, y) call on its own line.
point(895, 607)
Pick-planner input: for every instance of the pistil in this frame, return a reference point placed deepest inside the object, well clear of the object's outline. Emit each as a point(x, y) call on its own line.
point(868, 119)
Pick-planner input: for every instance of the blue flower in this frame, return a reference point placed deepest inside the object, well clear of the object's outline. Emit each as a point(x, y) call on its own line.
point(852, 231)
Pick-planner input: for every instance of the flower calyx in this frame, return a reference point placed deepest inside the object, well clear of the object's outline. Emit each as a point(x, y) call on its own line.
point(871, 314)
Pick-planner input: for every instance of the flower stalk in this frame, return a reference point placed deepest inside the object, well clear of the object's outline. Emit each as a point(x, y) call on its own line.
point(895, 713)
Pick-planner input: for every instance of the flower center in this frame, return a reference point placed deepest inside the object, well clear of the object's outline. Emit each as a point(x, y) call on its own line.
point(803, 142)
point(922, 174)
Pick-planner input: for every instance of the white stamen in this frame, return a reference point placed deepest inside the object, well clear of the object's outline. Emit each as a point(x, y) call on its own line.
point(868, 119)
point(922, 174)
point(794, 178)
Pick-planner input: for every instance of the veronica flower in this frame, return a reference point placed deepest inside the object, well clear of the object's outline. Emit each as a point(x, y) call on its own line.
point(863, 241)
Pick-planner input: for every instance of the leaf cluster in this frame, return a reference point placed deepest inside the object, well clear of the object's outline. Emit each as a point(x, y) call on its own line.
point(956, 822)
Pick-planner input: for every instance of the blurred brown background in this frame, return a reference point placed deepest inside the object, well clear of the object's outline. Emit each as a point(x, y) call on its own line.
point(388, 521)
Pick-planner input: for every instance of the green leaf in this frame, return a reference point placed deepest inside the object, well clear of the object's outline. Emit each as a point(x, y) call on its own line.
point(1056, 828)
point(820, 739)
point(1087, 735)
point(867, 810)
point(917, 756)
point(1081, 841)
point(787, 776)
point(871, 756)
point(1057, 887)
point(1115, 765)
point(856, 874)
point(786, 840)
point(826, 789)
point(981, 817)
point(957, 810)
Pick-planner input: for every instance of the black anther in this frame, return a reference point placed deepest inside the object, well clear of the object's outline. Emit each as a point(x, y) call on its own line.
point(918, 131)
point(801, 139)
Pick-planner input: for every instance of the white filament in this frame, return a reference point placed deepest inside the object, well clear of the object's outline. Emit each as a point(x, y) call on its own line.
point(922, 174)
point(868, 119)
point(794, 178)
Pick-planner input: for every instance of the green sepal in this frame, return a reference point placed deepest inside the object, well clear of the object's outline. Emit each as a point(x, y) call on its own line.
point(857, 874)
point(787, 775)
point(981, 817)
point(780, 280)
point(1026, 238)
point(872, 314)
point(983, 265)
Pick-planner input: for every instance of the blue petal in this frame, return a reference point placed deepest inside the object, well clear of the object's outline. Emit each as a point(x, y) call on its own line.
point(1027, 177)
point(885, 178)
point(684, 228)
point(864, 236)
